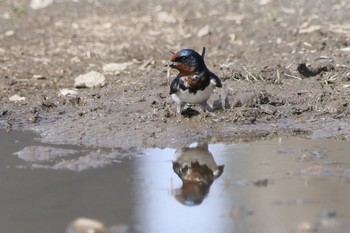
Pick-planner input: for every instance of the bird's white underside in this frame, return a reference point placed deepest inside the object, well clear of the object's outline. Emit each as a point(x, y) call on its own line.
point(183, 98)
point(190, 98)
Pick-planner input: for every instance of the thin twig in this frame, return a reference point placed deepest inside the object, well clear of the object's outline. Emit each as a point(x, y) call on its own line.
point(292, 76)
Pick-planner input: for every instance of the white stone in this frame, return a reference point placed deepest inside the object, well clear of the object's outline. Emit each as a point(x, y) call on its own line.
point(264, 2)
point(9, 33)
point(165, 17)
point(68, 92)
point(75, 60)
point(17, 98)
point(204, 31)
point(115, 68)
point(86, 225)
point(91, 79)
point(39, 4)
point(346, 49)
point(38, 76)
point(6, 15)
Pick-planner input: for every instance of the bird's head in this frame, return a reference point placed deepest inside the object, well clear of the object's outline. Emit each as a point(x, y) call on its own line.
point(187, 61)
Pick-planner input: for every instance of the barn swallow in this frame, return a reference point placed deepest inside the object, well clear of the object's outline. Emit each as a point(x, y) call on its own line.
point(195, 82)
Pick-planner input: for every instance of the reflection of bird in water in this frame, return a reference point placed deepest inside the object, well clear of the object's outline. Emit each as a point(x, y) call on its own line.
point(197, 169)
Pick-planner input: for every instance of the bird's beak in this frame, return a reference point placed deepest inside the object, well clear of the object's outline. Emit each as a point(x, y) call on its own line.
point(170, 64)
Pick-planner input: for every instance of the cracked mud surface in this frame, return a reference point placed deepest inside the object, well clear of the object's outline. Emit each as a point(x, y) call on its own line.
point(284, 67)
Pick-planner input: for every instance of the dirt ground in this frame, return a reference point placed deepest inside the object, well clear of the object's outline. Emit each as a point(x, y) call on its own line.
point(285, 69)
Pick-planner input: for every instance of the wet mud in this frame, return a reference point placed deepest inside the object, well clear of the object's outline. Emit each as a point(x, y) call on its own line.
point(95, 152)
point(284, 67)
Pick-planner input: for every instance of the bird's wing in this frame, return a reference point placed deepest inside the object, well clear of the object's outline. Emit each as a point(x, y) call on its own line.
point(216, 79)
point(176, 84)
point(203, 52)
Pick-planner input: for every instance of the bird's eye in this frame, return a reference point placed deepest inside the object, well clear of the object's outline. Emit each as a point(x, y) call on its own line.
point(184, 58)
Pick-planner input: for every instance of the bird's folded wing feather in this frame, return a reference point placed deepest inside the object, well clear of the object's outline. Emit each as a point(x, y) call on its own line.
point(176, 84)
point(215, 79)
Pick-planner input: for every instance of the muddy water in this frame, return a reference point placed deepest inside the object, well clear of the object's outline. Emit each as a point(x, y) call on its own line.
point(282, 185)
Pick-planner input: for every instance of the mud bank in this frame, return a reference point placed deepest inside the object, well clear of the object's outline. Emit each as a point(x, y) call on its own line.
point(284, 67)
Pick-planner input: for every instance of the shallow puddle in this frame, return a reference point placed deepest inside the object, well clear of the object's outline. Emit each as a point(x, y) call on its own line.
point(281, 185)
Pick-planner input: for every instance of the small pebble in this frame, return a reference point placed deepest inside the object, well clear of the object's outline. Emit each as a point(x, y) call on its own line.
point(204, 31)
point(17, 98)
point(115, 68)
point(91, 79)
point(86, 225)
point(68, 92)
point(40, 4)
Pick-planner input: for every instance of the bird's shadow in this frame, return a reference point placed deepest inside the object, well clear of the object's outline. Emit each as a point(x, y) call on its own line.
point(189, 112)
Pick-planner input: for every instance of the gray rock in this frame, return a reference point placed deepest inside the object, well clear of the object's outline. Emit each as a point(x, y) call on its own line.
point(204, 31)
point(165, 17)
point(115, 68)
point(16, 98)
point(91, 79)
point(39, 4)
point(86, 225)
point(68, 92)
